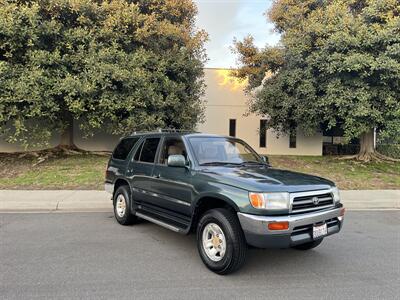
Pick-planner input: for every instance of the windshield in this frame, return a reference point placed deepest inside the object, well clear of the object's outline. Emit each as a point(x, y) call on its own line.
point(222, 150)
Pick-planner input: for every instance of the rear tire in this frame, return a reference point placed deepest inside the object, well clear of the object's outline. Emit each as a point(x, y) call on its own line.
point(309, 245)
point(220, 241)
point(122, 206)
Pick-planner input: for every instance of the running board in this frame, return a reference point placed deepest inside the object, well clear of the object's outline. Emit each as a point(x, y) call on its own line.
point(158, 222)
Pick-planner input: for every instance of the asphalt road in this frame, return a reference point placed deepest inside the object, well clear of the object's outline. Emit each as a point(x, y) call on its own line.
point(89, 255)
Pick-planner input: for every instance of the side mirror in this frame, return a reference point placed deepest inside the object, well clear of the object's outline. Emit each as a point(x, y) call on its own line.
point(265, 159)
point(176, 161)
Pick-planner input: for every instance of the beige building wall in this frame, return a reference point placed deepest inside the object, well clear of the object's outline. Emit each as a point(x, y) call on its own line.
point(225, 99)
point(100, 141)
point(16, 147)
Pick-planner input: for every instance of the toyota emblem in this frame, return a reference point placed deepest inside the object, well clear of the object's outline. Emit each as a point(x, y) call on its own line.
point(315, 200)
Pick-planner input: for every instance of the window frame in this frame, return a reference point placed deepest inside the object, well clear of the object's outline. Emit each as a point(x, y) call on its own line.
point(139, 149)
point(156, 153)
point(161, 145)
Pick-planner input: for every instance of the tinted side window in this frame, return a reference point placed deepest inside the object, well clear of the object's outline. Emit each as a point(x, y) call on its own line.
point(137, 154)
point(149, 150)
point(124, 147)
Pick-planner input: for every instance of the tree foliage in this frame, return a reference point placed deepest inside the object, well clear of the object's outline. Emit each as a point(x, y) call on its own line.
point(118, 65)
point(339, 64)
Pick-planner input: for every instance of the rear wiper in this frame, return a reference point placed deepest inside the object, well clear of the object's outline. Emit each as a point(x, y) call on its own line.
point(218, 163)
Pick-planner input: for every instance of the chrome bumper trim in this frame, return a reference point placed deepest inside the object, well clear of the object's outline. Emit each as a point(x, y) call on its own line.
point(258, 225)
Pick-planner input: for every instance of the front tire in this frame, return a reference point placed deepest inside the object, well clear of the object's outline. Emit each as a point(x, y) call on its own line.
point(309, 245)
point(220, 241)
point(122, 206)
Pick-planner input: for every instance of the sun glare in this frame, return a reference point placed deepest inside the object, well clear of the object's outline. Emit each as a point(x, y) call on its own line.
point(231, 82)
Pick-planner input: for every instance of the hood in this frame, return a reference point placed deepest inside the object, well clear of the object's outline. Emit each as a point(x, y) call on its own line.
point(266, 179)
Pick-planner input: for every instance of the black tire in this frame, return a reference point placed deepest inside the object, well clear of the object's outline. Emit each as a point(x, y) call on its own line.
point(127, 218)
point(236, 247)
point(309, 245)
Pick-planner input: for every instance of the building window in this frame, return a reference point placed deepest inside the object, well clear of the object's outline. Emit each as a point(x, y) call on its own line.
point(292, 140)
point(232, 127)
point(263, 133)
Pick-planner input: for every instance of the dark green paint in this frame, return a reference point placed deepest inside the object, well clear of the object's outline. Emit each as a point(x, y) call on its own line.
point(173, 191)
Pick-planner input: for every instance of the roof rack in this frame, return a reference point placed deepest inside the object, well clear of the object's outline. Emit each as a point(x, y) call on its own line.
point(167, 130)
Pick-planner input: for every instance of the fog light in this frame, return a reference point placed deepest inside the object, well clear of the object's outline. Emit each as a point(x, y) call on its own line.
point(278, 226)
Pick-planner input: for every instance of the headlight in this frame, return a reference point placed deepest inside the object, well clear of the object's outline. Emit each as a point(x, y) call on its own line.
point(269, 200)
point(336, 195)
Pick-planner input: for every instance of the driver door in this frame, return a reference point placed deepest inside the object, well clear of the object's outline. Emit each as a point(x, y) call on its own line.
point(173, 185)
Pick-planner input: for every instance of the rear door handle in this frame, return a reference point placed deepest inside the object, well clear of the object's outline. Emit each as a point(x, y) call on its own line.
point(157, 176)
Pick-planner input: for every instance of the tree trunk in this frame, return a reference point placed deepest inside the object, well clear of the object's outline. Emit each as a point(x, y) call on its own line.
point(367, 149)
point(67, 134)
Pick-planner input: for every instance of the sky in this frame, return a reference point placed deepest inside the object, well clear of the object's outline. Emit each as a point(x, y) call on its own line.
point(226, 19)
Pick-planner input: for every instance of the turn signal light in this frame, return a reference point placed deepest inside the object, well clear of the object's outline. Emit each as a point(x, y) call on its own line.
point(278, 226)
point(257, 200)
point(342, 211)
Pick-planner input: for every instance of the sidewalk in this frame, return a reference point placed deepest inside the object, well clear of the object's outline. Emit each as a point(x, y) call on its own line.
point(99, 201)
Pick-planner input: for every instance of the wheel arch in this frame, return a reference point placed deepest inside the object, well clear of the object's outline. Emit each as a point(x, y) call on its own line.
point(207, 202)
point(120, 182)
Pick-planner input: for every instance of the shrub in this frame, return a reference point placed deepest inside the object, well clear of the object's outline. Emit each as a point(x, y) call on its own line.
point(391, 150)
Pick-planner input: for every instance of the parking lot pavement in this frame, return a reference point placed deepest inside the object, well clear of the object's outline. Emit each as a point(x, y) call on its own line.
point(89, 255)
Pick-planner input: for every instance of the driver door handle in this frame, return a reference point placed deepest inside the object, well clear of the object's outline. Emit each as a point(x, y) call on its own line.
point(157, 176)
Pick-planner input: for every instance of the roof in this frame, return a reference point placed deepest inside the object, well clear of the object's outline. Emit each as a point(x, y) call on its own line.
point(189, 133)
point(164, 131)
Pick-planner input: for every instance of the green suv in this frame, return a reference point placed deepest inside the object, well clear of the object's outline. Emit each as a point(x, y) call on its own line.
point(221, 189)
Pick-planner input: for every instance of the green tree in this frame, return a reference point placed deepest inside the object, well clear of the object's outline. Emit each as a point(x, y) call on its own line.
point(338, 64)
point(118, 65)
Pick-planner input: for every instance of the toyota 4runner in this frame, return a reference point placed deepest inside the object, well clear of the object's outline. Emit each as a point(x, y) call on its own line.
point(221, 189)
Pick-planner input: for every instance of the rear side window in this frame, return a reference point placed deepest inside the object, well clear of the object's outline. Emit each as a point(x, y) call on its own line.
point(124, 147)
point(149, 150)
point(137, 154)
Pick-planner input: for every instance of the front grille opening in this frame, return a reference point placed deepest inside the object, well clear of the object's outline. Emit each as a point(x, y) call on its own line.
point(315, 202)
point(308, 228)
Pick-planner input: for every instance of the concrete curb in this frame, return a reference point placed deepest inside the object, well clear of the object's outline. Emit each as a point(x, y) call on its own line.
point(371, 199)
point(99, 201)
point(54, 201)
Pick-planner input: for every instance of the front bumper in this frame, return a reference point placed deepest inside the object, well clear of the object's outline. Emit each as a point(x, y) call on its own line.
point(299, 232)
point(109, 187)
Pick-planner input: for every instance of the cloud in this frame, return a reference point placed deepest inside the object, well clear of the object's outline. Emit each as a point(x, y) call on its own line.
point(224, 20)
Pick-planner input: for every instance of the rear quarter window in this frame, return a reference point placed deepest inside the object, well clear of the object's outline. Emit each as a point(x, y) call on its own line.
point(124, 148)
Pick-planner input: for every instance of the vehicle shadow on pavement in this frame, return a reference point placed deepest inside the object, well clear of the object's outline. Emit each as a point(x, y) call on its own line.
point(258, 260)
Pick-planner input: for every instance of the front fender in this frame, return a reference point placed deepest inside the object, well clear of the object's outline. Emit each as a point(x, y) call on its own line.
point(235, 197)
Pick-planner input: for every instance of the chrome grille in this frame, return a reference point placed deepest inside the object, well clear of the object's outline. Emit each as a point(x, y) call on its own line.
point(311, 201)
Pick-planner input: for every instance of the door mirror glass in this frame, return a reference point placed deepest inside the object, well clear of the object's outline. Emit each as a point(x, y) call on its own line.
point(177, 160)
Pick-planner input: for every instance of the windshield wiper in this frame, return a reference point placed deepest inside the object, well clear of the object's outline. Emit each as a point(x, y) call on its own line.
point(218, 163)
point(253, 162)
